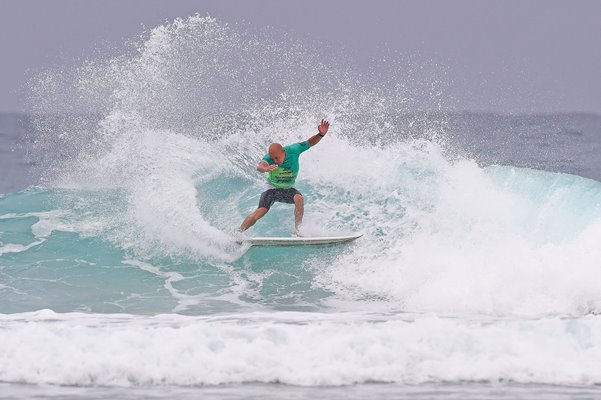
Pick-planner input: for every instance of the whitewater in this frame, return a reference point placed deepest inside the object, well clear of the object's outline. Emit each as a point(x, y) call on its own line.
point(121, 273)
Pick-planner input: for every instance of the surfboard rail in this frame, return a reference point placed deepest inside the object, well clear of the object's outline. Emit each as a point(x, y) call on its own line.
point(299, 240)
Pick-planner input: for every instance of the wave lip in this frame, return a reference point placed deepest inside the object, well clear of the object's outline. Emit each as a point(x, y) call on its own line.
point(289, 348)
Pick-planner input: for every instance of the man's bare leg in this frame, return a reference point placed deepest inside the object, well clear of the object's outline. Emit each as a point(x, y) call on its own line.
point(299, 210)
point(252, 218)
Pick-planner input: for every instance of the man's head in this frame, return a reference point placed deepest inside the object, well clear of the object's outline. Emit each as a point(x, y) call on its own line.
point(277, 153)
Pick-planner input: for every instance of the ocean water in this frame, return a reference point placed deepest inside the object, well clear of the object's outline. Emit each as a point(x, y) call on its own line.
point(121, 275)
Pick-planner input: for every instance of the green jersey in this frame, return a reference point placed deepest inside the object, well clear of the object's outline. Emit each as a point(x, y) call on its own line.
point(285, 174)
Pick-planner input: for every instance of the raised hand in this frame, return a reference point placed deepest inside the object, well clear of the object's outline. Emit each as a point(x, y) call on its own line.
point(323, 127)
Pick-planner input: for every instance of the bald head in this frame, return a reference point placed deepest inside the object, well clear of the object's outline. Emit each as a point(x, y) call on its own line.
point(277, 153)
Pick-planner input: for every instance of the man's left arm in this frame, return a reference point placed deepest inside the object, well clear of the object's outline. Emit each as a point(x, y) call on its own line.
point(322, 129)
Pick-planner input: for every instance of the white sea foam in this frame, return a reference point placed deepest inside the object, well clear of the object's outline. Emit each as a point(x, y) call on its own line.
point(47, 222)
point(450, 236)
point(156, 171)
point(299, 349)
point(184, 301)
point(16, 248)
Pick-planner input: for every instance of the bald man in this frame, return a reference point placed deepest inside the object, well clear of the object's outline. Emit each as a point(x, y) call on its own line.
point(282, 164)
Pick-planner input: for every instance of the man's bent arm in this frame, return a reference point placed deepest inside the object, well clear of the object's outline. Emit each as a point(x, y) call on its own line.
point(264, 167)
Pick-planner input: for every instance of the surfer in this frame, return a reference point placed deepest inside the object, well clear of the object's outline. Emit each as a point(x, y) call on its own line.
point(282, 164)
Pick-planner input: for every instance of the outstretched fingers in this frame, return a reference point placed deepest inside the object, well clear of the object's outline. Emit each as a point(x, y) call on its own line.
point(323, 126)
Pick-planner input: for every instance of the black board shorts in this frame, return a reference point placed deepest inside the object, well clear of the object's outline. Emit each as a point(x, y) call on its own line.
point(270, 196)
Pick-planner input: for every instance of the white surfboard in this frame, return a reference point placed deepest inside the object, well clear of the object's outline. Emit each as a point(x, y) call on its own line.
point(299, 241)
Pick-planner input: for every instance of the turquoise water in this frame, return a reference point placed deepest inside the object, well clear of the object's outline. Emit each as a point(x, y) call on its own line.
point(58, 259)
point(83, 250)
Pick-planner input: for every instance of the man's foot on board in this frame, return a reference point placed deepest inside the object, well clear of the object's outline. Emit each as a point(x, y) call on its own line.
point(240, 237)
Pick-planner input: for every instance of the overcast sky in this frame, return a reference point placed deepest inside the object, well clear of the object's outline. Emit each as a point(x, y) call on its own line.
point(514, 56)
